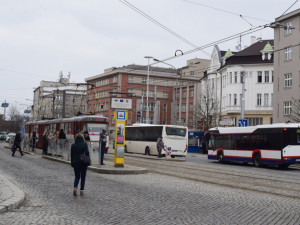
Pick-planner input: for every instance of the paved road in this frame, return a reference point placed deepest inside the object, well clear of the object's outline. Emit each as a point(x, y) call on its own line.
point(134, 199)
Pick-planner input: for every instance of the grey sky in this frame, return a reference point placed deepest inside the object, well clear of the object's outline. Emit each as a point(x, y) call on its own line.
point(38, 39)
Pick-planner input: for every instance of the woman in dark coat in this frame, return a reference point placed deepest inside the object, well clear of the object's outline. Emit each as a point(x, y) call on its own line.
point(79, 147)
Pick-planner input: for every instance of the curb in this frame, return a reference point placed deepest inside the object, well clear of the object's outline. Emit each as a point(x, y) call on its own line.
point(110, 169)
point(15, 200)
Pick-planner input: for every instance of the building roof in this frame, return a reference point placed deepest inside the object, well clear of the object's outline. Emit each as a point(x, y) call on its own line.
point(250, 55)
point(288, 15)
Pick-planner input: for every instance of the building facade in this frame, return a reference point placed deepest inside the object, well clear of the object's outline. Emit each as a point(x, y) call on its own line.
point(131, 81)
point(60, 99)
point(241, 85)
point(287, 68)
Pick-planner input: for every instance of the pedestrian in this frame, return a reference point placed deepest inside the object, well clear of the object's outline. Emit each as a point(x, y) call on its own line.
point(86, 135)
point(17, 143)
point(159, 146)
point(45, 139)
point(102, 144)
point(33, 140)
point(62, 134)
point(78, 148)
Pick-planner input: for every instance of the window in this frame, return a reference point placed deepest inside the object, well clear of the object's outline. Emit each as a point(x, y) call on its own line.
point(235, 77)
point(192, 93)
point(287, 28)
point(180, 83)
point(254, 121)
point(230, 77)
point(165, 107)
point(152, 80)
point(192, 73)
point(165, 94)
point(287, 108)
point(288, 80)
point(130, 79)
point(288, 53)
point(151, 93)
point(235, 99)
point(184, 94)
point(144, 80)
point(266, 99)
point(258, 99)
point(229, 100)
point(259, 76)
point(165, 82)
point(183, 107)
point(144, 93)
point(130, 90)
point(115, 79)
point(267, 79)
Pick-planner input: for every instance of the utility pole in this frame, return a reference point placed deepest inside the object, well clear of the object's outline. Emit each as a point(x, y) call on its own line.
point(147, 106)
point(243, 95)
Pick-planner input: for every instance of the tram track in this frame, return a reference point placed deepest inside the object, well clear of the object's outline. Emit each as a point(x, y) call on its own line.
point(248, 180)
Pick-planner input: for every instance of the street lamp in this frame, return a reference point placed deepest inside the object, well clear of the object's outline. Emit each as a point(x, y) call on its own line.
point(147, 104)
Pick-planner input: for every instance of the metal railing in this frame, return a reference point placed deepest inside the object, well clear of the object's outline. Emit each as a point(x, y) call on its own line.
point(61, 148)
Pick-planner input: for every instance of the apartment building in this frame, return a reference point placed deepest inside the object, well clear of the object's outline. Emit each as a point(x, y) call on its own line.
point(131, 81)
point(243, 76)
point(287, 67)
point(60, 99)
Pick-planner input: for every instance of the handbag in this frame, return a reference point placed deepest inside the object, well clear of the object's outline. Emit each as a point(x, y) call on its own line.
point(13, 148)
point(85, 159)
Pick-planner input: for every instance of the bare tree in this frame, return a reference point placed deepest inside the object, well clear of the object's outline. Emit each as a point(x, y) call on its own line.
point(206, 110)
point(295, 110)
point(13, 113)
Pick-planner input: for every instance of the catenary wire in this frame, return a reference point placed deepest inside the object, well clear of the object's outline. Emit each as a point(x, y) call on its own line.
point(159, 24)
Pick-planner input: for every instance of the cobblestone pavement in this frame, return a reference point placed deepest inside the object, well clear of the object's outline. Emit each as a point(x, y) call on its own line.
point(133, 199)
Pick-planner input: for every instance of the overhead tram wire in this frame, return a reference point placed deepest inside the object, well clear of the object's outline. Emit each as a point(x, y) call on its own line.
point(287, 10)
point(160, 25)
point(225, 11)
point(252, 30)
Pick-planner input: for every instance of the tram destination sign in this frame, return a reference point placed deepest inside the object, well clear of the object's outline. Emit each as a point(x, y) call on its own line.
point(121, 103)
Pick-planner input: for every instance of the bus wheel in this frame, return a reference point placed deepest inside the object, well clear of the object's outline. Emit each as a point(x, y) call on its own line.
point(125, 149)
point(256, 160)
point(220, 157)
point(147, 151)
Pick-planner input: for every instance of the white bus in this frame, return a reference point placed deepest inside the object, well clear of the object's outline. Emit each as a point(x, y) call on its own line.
point(275, 144)
point(142, 138)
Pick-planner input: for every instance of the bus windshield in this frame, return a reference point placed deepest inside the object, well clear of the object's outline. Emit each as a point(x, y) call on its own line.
point(176, 131)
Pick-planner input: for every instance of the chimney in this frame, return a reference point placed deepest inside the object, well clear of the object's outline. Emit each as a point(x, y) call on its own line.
point(253, 40)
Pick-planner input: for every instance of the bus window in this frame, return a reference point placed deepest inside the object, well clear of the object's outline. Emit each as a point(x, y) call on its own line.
point(176, 131)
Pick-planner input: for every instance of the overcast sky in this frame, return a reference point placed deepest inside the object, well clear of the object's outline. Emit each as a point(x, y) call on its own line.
point(38, 39)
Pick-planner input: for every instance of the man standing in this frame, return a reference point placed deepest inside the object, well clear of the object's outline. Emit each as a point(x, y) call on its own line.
point(159, 146)
point(102, 144)
point(17, 143)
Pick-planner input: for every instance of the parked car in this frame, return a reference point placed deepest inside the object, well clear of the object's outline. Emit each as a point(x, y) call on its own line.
point(9, 136)
point(3, 136)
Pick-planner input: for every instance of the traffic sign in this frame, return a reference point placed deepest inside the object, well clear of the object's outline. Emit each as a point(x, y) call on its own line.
point(243, 123)
point(4, 105)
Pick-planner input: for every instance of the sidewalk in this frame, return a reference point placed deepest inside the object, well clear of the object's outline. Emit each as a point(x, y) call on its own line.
point(10, 196)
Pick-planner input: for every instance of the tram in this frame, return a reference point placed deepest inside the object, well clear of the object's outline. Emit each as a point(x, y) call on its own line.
point(71, 126)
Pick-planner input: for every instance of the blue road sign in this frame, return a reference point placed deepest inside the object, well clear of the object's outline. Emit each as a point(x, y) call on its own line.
point(4, 105)
point(243, 123)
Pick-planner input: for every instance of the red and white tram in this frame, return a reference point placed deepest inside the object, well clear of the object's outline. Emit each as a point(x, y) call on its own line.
point(71, 126)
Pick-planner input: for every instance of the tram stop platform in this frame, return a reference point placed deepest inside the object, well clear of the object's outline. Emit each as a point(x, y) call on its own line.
point(108, 168)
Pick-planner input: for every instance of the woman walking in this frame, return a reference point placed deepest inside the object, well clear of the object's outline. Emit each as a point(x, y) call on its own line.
point(78, 148)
